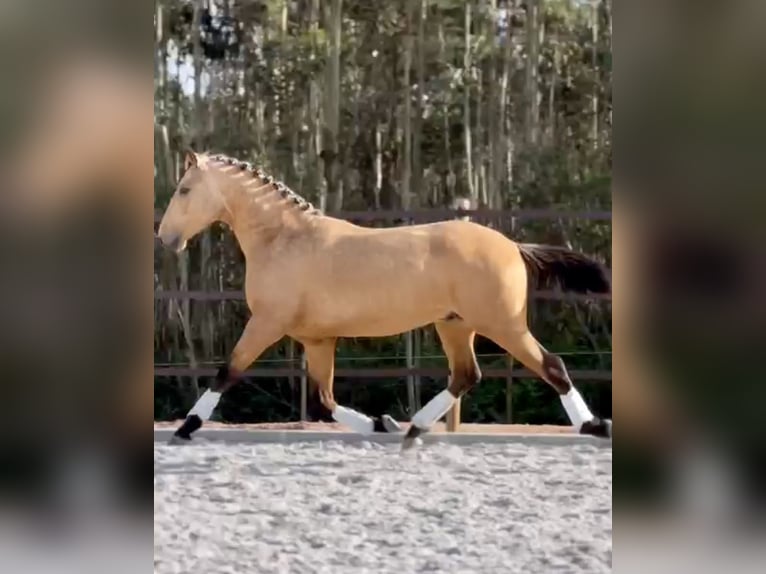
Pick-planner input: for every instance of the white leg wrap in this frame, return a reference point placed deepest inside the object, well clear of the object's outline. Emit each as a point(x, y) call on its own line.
point(357, 422)
point(435, 409)
point(204, 406)
point(577, 411)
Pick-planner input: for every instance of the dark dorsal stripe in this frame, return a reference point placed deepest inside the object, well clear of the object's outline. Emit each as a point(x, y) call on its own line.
point(278, 186)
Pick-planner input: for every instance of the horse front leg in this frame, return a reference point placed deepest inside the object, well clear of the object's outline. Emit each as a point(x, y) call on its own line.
point(259, 334)
point(320, 361)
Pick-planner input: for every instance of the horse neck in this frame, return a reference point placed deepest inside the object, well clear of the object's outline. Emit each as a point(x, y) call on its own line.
point(258, 218)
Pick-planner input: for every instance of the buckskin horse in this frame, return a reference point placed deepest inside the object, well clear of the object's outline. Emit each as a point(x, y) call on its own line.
point(316, 278)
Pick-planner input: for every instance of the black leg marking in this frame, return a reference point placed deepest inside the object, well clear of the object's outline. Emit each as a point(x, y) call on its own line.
point(556, 373)
point(222, 375)
point(412, 434)
point(225, 378)
point(191, 424)
point(597, 427)
point(316, 410)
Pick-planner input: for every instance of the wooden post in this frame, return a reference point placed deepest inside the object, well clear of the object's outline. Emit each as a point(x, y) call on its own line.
point(291, 362)
point(453, 417)
point(418, 353)
point(304, 388)
point(411, 405)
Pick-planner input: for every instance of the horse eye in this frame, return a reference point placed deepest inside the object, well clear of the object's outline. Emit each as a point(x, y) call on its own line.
point(184, 190)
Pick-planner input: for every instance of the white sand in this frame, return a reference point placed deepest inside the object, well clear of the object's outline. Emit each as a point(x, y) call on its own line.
point(336, 508)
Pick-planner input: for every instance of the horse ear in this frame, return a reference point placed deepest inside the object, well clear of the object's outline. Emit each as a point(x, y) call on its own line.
point(190, 160)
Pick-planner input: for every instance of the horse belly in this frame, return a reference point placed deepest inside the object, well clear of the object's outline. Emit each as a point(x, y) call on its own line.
point(378, 312)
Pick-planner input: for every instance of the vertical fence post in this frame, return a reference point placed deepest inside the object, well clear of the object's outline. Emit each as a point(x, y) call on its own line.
point(410, 378)
point(409, 351)
point(304, 388)
point(418, 353)
point(291, 363)
point(453, 415)
point(509, 392)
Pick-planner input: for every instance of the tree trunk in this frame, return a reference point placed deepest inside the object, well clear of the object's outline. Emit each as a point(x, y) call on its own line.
point(608, 79)
point(197, 122)
point(417, 135)
point(596, 76)
point(531, 83)
point(315, 113)
point(378, 164)
point(166, 180)
point(467, 73)
point(506, 133)
point(333, 18)
point(480, 165)
point(281, 65)
point(160, 53)
point(450, 179)
point(494, 121)
point(406, 192)
point(554, 81)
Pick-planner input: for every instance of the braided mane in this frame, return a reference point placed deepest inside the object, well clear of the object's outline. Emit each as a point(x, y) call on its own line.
point(297, 200)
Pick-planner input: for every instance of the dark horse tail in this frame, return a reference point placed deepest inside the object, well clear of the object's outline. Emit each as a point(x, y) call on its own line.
point(551, 266)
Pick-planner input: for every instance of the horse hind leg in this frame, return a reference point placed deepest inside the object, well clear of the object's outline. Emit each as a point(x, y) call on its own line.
point(552, 370)
point(457, 341)
point(320, 361)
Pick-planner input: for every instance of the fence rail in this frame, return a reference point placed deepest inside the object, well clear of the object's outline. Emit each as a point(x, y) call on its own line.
point(374, 372)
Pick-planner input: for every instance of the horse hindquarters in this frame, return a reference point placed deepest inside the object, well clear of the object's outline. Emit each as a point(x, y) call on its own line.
point(508, 327)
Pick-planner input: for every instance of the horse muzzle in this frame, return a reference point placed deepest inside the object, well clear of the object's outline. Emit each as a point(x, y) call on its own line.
point(173, 241)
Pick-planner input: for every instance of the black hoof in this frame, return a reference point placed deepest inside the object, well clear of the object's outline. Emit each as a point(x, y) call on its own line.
point(316, 412)
point(412, 435)
point(319, 415)
point(386, 424)
point(600, 428)
point(191, 424)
